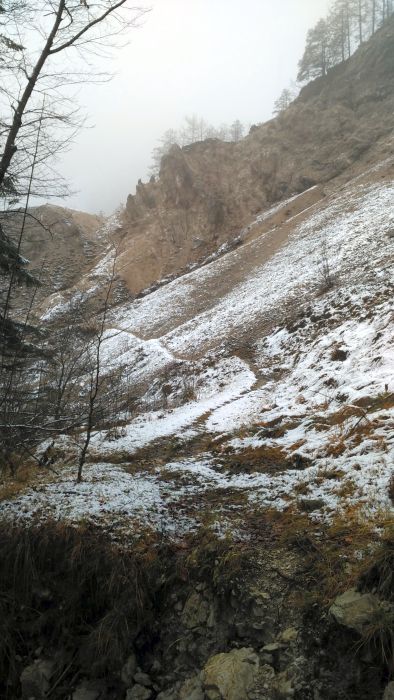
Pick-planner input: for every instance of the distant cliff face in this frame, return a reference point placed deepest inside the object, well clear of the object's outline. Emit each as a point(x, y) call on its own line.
point(208, 191)
point(59, 243)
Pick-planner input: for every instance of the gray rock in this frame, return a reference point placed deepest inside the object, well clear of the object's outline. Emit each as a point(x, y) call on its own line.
point(272, 648)
point(138, 692)
point(35, 679)
point(355, 610)
point(230, 676)
point(128, 670)
point(284, 686)
point(289, 635)
point(390, 234)
point(142, 679)
point(195, 612)
point(167, 695)
point(389, 691)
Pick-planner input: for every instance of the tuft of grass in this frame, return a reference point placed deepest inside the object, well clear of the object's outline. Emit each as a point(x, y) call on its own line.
point(97, 592)
point(378, 638)
point(12, 485)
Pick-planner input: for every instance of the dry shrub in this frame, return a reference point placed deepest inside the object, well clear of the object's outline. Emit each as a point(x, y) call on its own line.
point(378, 576)
point(12, 484)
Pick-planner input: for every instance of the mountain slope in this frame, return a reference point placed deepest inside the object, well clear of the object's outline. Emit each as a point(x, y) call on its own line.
point(209, 191)
point(271, 382)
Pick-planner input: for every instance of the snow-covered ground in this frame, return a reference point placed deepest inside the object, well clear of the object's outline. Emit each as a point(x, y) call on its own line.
point(351, 229)
point(218, 385)
point(317, 391)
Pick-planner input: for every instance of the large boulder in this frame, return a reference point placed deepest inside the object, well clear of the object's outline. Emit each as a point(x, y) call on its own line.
point(355, 610)
point(230, 676)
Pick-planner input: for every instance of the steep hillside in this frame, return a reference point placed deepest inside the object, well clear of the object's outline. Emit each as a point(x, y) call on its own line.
point(208, 192)
point(59, 243)
point(290, 344)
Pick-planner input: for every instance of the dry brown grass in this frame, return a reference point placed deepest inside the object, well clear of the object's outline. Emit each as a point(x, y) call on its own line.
point(334, 554)
point(296, 445)
point(302, 488)
point(346, 489)
point(380, 402)
point(13, 485)
point(265, 458)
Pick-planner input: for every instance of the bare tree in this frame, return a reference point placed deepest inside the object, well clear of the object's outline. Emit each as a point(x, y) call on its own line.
point(95, 380)
point(325, 274)
point(45, 49)
point(42, 46)
point(284, 100)
point(42, 49)
point(237, 130)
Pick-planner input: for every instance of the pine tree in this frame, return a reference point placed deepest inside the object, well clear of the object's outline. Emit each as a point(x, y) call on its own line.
point(316, 60)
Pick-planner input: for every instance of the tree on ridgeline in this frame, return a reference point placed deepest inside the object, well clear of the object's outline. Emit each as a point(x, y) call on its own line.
point(284, 100)
point(193, 129)
point(334, 39)
point(316, 60)
point(169, 138)
point(236, 130)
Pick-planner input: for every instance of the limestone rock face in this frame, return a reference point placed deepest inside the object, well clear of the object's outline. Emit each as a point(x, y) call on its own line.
point(355, 610)
point(210, 190)
point(230, 676)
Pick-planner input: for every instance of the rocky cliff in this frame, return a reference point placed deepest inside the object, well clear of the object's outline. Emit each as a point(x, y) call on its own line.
point(209, 191)
point(59, 243)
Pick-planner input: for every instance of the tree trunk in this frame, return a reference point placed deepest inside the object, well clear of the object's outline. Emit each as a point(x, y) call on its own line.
point(10, 147)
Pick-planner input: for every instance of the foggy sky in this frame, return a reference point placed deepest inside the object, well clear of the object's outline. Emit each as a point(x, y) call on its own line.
point(220, 59)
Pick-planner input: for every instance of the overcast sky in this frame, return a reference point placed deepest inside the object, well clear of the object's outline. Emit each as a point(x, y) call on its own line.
point(220, 59)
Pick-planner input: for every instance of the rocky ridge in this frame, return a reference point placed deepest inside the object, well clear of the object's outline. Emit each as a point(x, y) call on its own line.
point(208, 192)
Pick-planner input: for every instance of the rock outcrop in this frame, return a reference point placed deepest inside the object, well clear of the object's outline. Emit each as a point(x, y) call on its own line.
point(209, 191)
point(355, 610)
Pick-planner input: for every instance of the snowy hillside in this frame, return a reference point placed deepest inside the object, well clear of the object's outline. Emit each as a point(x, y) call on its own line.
point(289, 376)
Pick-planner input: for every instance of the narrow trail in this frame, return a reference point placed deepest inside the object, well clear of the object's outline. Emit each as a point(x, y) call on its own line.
point(259, 382)
point(152, 342)
point(199, 424)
